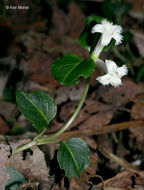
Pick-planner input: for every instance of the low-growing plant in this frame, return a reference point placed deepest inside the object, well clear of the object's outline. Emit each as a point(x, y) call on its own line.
point(73, 154)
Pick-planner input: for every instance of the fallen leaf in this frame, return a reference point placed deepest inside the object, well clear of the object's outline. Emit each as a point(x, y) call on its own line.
point(121, 95)
point(33, 167)
point(77, 20)
point(4, 159)
point(83, 182)
point(139, 5)
point(8, 110)
point(4, 128)
point(60, 22)
point(138, 110)
point(122, 180)
point(96, 121)
point(139, 41)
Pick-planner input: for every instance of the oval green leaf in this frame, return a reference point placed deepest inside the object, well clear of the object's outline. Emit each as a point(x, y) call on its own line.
point(73, 156)
point(70, 67)
point(89, 40)
point(37, 107)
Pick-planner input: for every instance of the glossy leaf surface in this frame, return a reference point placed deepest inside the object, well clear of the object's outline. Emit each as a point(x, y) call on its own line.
point(37, 107)
point(70, 67)
point(73, 156)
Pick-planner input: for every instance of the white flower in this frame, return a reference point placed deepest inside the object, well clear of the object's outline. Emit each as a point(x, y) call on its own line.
point(114, 74)
point(108, 31)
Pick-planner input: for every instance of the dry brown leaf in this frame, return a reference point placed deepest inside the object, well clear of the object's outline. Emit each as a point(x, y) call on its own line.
point(32, 41)
point(138, 110)
point(121, 95)
point(60, 22)
point(67, 110)
point(96, 121)
point(34, 166)
point(83, 182)
point(55, 187)
point(8, 109)
point(4, 159)
point(77, 20)
point(138, 133)
point(139, 40)
point(40, 67)
point(4, 128)
point(137, 5)
point(122, 180)
point(91, 142)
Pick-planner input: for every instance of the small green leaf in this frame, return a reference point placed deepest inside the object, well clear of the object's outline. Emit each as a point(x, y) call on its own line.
point(15, 179)
point(73, 156)
point(89, 40)
point(37, 107)
point(70, 67)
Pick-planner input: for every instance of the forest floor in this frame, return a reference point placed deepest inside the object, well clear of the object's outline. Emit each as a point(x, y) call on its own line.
point(111, 120)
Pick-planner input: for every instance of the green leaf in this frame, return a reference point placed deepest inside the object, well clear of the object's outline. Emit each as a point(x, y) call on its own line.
point(70, 67)
point(37, 107)
point(15, 179)
point(73, 156)
point(89, 40)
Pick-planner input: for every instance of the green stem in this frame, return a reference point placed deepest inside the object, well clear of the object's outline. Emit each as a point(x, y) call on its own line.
point(24, 147)
point(48, 140)
point(72, 117)
point(33, 143)
point(40, 134)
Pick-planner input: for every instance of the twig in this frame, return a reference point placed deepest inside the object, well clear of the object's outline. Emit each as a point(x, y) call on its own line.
point(105, 129)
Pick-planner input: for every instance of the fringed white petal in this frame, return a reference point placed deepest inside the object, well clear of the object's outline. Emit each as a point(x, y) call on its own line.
point(97, 28)
point(119, 28)
point(106, 38)
point(114, 74)
point(118, 38)
point(108, 31)
point(104, 80)
point(111, 66)
point(115, 81)
point(122, 71)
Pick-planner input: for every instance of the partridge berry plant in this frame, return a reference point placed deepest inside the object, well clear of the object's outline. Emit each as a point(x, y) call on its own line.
point(38, 107)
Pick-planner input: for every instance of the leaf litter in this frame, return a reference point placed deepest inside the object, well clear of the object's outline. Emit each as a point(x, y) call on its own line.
point(111, 121)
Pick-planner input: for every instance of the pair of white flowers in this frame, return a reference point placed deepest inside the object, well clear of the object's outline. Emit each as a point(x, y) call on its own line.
point(114, 73)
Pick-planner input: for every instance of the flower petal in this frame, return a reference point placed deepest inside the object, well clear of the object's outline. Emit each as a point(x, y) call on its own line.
point(119, 28)
point(106, 38)
point(122, 71)
point(104, 79)
point(97, 28)
point(118, 38)
point(111, 66)
point(104, 21)
point(115, 81)
point(117, 34)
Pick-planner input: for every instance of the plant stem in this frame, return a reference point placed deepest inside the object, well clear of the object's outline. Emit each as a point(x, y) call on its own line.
point(48, 140)
point(72, 118)
point(24, 147)
point(33, 143)
point(40, 134)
